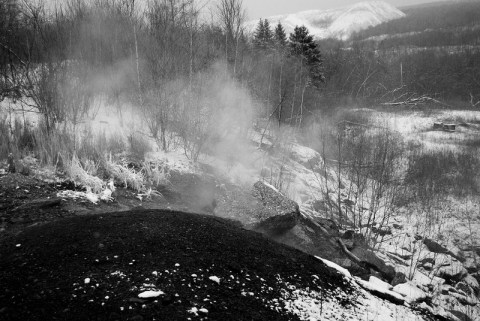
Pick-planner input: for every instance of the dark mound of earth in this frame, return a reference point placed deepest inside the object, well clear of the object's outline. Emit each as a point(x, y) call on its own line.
point(95, 267)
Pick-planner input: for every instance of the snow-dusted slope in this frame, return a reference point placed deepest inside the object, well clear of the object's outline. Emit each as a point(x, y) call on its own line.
point(336, 23)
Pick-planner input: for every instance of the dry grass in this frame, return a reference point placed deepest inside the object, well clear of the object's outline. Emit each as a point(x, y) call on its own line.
point(79, 175)
point(125, 175)
point(157, 173)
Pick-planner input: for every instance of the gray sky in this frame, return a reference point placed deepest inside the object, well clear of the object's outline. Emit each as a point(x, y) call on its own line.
point(264, 8)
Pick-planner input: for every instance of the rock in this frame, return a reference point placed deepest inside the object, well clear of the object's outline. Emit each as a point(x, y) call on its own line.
point(464, 299)
point(472, 283)
point(427, 266)
point(410, 292)
point(399, 278)
point(427, 262)
point(382, 231)
point(371, 260)
point(380, 284)
point(459, 315)
point(464, 287)
point(348, 235)
point(381, 292)
point(471, 264)
point(281, 214)
point(445, 289)
point(397, 226)
point(401, 253)
point(434, 246)
point(453, 272)
point(352, 239)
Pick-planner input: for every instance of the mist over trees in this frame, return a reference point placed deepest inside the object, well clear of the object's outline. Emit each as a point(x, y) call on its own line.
point(159, 56)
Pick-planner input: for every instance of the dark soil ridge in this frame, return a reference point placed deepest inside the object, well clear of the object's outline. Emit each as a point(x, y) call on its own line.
point(43, 269)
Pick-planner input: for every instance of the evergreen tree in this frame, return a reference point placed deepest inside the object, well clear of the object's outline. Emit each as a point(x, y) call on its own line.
point(259, 35)
point(263, 36)
point(302, 45)
point(280, 36)
point(268, 34)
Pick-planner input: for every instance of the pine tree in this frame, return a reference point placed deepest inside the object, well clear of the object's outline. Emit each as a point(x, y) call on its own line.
point(302, 45)
point(280, 36)
point(259, 35)
point(268, 34)
point(263, 36)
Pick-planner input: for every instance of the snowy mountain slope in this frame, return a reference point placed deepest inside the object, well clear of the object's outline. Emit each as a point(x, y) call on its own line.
point(336, 23)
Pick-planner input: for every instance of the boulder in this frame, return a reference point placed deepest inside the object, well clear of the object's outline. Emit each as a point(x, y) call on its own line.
point(434, 246)
point(472, 283)
point(380, 291)
point(460, 316)
point(452, 272)
point(371, 260)
point(280, 214)
point(471, 264)
point(399, 278)
point(410, 292)
point(382, 231)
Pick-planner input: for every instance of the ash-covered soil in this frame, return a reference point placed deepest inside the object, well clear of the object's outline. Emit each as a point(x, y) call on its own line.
point(94, 267)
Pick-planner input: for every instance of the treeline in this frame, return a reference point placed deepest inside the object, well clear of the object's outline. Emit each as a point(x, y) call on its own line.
point(365, 72)
point(461, 38)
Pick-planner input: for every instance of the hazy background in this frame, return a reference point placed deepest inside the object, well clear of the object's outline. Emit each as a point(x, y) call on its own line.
point(265, 8)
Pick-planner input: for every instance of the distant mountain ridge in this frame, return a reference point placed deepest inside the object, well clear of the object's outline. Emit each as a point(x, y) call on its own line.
point(336, 23)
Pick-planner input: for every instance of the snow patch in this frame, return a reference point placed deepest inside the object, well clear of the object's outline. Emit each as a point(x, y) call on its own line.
point(337, 267)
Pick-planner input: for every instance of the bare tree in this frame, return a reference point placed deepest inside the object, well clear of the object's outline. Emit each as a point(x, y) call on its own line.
point(232, 16)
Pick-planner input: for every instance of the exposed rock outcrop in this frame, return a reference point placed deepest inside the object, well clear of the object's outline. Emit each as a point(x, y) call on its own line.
point(279, 213)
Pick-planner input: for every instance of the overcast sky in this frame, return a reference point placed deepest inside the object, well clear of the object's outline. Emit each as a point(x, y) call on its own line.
point(264, 8)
